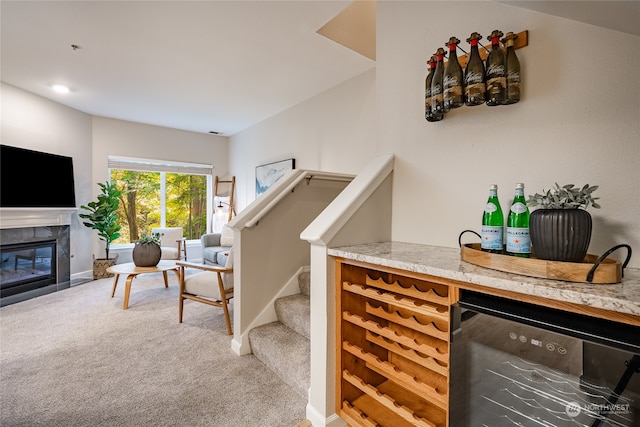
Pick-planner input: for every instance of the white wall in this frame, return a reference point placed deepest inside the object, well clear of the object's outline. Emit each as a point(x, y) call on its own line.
point(33, 122)
point(129, 139)
point(37, 123)
point(577, 122)
point(113, 137)
point(334, 132)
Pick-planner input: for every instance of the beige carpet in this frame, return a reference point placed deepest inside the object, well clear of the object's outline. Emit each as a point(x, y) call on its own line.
point(76, 358)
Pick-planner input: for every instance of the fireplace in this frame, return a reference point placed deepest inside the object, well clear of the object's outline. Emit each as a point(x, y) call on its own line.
point(34, 261)
point(27, 266)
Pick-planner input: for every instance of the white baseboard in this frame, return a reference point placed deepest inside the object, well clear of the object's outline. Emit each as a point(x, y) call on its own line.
point(318, 420)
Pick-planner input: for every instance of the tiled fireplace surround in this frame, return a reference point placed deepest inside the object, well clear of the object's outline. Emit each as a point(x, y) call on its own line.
point(32, 225)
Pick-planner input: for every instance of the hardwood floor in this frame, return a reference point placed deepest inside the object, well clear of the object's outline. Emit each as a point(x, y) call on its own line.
point(305, 423)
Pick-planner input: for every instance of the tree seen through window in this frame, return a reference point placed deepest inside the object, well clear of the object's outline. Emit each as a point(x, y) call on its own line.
point(160, 199)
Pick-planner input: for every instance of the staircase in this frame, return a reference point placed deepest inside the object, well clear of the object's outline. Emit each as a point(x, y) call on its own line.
point(283, 345)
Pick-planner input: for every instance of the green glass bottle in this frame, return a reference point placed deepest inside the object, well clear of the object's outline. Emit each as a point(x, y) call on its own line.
point(437, 88)
point(512, 70)
point(474, 85)
point(518, 240)
point(495, 71)
point(427, 94)
point(492, 223)
point(453, 94)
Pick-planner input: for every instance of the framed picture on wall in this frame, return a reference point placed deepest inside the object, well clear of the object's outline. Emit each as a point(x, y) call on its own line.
point(267, 175)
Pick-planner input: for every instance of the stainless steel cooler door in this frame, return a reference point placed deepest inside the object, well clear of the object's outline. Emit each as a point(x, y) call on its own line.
point(507, 373)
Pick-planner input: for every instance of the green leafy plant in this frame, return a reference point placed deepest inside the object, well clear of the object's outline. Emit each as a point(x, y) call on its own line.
point(102, 215)
point(566, 197)
point(150, 238)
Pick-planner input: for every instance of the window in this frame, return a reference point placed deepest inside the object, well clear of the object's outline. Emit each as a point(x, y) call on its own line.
point(160, 194)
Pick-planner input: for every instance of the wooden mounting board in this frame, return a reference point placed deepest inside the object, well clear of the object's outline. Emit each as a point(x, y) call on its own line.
point(520, 42)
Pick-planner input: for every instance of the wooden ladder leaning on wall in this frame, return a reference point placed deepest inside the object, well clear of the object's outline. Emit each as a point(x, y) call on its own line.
point(225, 188)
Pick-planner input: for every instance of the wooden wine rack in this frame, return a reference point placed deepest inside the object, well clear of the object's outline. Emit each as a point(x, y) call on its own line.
point(393, 344)
point(519, 43)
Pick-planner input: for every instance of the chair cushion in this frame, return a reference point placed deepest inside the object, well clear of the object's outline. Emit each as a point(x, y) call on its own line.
point(169, 253)
point(169, 236)
point(222, 257)
point(226, 237)
point(204, 284)
point(215, 255)
point(210, 239)
point(227, 278)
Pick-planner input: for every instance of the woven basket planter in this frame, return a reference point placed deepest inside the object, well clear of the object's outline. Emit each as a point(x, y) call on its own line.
point(100, 266)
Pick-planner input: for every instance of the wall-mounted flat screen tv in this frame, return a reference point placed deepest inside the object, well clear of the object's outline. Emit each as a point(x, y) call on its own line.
point(33, 179)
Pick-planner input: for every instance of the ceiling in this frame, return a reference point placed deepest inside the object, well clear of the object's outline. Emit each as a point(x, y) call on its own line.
point(208, 66)
point(202, 66)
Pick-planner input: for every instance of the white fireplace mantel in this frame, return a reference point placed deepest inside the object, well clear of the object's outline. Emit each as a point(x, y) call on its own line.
point(35, 217)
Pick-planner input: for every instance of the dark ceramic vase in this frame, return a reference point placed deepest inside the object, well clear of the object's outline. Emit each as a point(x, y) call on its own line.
point(146, 254)
point(560, 234)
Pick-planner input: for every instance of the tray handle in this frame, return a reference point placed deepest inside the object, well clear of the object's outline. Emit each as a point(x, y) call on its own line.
point(467, 231)
point(606, 254)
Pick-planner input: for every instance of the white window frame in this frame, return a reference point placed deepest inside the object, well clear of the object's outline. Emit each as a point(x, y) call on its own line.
point(164, 166)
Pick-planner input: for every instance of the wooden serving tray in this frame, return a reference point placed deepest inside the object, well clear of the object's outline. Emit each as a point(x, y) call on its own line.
point(609, 270)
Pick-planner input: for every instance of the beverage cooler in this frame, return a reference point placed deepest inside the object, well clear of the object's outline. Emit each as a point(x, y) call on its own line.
point(515, 364)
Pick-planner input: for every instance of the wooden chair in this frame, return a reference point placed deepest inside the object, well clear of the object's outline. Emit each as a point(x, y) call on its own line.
point(213, 286)
point(172, 242)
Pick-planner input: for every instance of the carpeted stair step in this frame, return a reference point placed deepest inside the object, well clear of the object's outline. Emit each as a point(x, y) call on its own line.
point(285, 352)
point(304, 282)
point(294, 311)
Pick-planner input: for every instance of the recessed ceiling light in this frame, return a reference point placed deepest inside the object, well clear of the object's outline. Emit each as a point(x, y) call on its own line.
point(60, 88)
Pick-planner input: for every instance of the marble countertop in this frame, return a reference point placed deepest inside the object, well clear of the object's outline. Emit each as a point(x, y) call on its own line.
point(444, 262)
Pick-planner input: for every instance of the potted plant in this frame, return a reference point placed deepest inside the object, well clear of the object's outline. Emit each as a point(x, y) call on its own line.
point(147, 252)
point(101, 215)
point(560, 227)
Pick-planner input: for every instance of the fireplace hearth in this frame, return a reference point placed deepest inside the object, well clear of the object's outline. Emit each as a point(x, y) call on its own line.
point(34, 261)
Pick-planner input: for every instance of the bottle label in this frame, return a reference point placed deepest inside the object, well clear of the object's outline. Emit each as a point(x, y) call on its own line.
point(450, 82)
point(492, 237)
point(490, 208)
point(452, 92)
point(473, 77)
point(496, 70)
point(473, 91)
point(513, 77)
point(518, 240)
point(518, 208)
point(513, 91)
point(496, 86)
point(436, 101)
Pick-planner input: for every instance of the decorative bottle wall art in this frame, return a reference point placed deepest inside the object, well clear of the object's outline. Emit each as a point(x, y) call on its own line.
point(487, 75)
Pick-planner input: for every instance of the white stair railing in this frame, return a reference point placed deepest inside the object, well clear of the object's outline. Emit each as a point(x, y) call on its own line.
point(359, 214)
point(267, 246)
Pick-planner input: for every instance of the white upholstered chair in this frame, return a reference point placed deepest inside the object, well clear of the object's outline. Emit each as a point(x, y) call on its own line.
point(172, 242)
point(213, 286)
